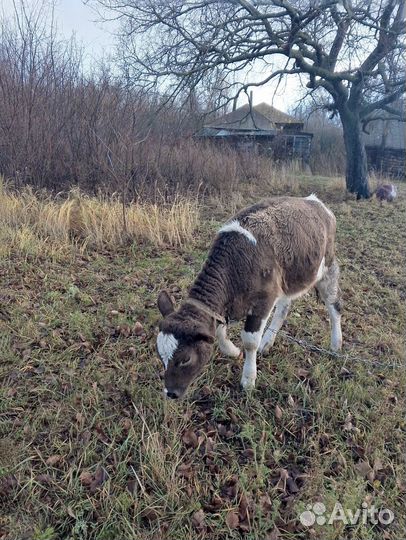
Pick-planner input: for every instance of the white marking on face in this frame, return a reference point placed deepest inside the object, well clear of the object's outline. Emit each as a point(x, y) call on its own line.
point(313, 197)
point(234, 226)
point(321, 270)
point(167, 345)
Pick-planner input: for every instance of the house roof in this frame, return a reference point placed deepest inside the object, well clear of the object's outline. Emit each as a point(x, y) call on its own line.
point(276, 116)
point(262, 117)
point(222, 132)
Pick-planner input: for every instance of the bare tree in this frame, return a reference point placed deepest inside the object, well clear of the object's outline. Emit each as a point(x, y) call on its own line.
point(351, 49)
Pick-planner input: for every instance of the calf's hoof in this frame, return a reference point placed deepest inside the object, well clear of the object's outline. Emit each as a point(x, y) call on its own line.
point(233, 351)
point(265, 350)
point(247, 382)
point(228, 348)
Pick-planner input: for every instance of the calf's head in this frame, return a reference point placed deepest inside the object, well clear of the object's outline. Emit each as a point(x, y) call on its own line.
point(184, 345)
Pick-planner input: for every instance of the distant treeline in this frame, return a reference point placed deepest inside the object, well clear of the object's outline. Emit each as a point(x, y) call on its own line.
point(61, 126)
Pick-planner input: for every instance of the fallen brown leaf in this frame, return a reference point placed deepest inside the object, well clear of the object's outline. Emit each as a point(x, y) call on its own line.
point(190, 439)
point(99, 477)
point(266, 503)
point(131, 485)
point(86, 478)
point(291, 485)
point(243, 508)
point(85, 437)
point(185, 470)
point(126, 424)
point(215, 504)
point(303, 373)
point(7, 485)
point(44, 479)
point(53, 460)
point(198, 520)
point(232, 519)
point(364, 468)
point(274, 534)
point(230, 488)
point(378, 465)
point(138, 329)
point(150, 514)
point(248, 454)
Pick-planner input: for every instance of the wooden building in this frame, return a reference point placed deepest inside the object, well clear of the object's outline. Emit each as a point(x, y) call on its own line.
point(261, 128)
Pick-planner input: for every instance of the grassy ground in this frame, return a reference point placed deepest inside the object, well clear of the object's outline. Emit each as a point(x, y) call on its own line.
point(90, 450)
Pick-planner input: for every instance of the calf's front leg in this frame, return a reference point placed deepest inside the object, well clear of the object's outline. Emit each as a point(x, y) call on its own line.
point(227, 347)
point(251, 337)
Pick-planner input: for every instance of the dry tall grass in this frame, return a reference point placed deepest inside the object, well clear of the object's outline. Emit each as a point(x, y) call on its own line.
point(92, 221)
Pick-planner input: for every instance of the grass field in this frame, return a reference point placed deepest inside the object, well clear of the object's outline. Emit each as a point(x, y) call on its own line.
point(89, 449)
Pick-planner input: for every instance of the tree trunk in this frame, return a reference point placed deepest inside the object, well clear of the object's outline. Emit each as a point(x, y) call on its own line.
point(357, 166)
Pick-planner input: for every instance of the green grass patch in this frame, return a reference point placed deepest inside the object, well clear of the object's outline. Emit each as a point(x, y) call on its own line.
point(90, 450)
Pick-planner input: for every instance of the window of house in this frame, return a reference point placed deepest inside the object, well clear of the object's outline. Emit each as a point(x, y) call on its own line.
point(300, 144)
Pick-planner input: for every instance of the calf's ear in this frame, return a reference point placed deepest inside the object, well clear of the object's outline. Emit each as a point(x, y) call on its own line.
point(201, 333)
point(205, 336)
point(165, 304)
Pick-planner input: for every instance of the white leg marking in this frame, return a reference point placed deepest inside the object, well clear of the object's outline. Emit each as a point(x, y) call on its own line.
point(336, 334)
point(234, 226)
point(281, 311)
point(167, 345)
point(322, 269)
point(226, 346)
point(251, 341)
point(249, 372)
point(329, 291)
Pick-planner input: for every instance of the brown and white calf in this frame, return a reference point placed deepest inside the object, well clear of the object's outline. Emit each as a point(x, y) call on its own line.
point(386, 192)
point(263, 258)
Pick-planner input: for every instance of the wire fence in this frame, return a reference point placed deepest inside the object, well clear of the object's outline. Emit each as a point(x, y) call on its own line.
point(339, 356)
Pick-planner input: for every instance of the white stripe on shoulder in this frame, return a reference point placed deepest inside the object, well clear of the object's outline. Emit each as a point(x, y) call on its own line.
point(313, 197)
point(167, 345)
point(234, 226)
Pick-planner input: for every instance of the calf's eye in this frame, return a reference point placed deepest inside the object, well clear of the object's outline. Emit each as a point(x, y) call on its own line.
point(185, 361)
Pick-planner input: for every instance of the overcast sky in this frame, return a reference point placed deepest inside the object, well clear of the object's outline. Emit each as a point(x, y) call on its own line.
point(97, 38)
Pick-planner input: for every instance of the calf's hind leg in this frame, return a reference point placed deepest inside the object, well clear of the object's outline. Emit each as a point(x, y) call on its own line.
point(329, 291)
point(281, 312)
